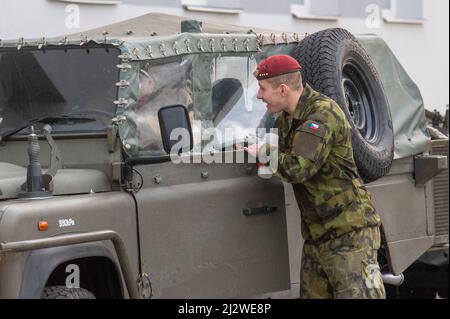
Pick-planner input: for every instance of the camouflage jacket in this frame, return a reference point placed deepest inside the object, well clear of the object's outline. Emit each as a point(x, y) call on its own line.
point(316, 156)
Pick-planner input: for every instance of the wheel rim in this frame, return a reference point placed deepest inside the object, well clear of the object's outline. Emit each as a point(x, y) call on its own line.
point(360, 102)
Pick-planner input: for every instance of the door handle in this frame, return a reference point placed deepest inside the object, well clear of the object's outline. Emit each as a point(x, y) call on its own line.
point(259, 210)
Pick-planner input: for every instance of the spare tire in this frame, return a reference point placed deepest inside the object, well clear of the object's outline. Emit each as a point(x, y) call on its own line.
point(335, 64)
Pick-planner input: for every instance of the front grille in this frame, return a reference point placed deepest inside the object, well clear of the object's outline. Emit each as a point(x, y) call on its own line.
point(440, 182)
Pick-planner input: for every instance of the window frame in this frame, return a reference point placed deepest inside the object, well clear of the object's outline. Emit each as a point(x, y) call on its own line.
point(203, 6)
point(390, 15)
point(303, 11)
point(101, 2)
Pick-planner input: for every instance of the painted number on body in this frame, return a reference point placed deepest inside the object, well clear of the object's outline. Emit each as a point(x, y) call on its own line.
point(66, 222)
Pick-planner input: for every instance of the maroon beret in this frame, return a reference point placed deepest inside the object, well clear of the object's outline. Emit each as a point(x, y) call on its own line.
point(276, 65)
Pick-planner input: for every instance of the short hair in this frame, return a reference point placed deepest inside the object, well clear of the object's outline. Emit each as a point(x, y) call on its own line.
point(294, 80)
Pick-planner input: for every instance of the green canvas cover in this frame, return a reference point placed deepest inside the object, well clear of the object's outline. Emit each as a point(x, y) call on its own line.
point(405, 101)
point(150, 42)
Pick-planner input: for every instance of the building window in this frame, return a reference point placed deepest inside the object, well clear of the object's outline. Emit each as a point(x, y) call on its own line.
point(215, 6)
point(267, 6)
point(315, 9)
point(403, 11)
point(158, 3)
point(91, 1)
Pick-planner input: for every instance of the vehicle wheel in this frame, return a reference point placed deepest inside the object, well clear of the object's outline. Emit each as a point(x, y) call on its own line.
point(62, 292)
point(335, 64)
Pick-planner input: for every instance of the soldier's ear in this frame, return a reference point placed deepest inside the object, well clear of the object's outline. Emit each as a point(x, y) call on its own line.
point(284, 89)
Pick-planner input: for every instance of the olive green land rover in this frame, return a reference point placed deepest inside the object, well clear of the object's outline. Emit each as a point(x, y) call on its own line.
point(94, 203)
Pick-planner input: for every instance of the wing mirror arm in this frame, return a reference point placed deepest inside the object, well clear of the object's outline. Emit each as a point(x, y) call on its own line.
point(55, 157)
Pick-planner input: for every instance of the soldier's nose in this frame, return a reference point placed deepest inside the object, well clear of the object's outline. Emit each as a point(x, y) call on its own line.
point(259, 95)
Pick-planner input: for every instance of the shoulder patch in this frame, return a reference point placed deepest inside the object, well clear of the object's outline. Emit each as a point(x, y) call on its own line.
point(309, 139)
point(313, 127)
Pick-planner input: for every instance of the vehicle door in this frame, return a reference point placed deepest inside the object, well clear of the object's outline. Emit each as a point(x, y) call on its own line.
point(208, 229)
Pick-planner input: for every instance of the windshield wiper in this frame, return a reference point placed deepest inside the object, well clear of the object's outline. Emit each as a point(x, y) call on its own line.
point(62, 119)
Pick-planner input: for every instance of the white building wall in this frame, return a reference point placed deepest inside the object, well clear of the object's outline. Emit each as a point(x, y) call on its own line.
point(423, 49)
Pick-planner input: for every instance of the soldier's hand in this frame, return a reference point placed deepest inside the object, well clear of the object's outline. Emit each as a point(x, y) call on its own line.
point(253, 150)
point(238, 147)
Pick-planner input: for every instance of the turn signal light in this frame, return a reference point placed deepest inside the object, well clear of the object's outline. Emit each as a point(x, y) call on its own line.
point(43, 225)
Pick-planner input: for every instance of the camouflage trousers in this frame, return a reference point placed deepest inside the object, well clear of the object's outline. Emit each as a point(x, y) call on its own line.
point(343, 268)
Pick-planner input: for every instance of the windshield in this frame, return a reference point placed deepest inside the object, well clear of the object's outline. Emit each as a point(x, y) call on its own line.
point(73, 81)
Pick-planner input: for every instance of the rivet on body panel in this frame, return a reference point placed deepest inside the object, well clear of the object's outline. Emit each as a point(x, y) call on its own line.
point(63, 41)
point(124, 57)
point(84, 40)
point(162, 49)
point(149, 51)
point(273, 37)
point(200, 45)
point(20, 44)
point(136, 53)
point(122, 83)
point(187, 43)
point(42, 42)
point(124, 67)
point(246, 42)
point(121, 102)
point(175, 48)
point(235, 44)
point(211, 45)
point(157, 179)
point(118, 119)
point(223, 44)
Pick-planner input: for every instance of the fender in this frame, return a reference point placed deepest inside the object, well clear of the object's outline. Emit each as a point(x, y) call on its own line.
point(42, 262)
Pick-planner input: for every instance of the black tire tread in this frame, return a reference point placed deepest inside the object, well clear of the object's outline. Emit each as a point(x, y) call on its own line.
point(62, 292)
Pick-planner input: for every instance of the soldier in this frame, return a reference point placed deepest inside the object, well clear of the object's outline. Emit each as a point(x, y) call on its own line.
point(340, 226)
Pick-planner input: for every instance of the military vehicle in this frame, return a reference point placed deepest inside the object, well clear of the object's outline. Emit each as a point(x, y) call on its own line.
point(93, 204)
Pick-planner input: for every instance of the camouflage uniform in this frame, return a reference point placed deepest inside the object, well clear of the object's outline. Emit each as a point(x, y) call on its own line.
point(339, 223)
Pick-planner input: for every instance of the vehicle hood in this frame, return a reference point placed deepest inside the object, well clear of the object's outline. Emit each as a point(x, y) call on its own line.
point(65, 182)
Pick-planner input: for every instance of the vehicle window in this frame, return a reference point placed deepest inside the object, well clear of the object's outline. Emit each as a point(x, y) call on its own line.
point(78, 82)
point(235, 106)
point(218, 91)
point(160, 85)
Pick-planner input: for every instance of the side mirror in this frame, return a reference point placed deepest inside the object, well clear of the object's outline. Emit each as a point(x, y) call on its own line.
point(176, 131)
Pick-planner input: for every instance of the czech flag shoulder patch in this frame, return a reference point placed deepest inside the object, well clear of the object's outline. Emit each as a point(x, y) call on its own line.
point(313, 126)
